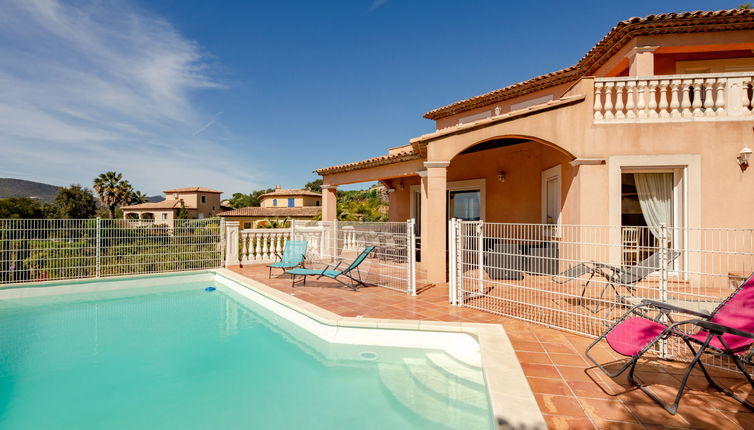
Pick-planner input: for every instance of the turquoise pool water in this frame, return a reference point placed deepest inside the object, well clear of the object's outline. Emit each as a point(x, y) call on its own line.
point(178, 357)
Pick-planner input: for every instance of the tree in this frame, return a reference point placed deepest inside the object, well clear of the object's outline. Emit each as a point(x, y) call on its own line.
point(112, 190)
point(315, 185)
point(75, 202)
point(137, 197)
point(745, 6)
point(20, 207)
point(182, 212)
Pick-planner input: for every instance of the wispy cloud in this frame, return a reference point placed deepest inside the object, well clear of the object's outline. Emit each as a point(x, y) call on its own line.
point(91, 86)
point(375, 4)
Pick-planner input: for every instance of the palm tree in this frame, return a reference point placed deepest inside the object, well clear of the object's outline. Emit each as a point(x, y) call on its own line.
point(137, 197)
point(112, 190)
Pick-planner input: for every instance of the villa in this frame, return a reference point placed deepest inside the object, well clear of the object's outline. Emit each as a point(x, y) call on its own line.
point(665, 101)
point(199, 202)
point(278, 205)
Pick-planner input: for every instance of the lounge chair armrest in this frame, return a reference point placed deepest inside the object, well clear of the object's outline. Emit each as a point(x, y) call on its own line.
point(278, 257)
point(721, 329)
point(668, 307)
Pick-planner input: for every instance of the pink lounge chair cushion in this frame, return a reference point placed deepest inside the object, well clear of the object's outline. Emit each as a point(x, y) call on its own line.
point(738, 313)
point(633, 334)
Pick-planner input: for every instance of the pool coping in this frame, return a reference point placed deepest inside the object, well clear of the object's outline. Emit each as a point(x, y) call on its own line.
point(512, 402)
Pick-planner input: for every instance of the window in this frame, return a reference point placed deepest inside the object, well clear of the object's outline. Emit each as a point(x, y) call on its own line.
point(291, 203)
point(274, 202)
point(213, 208)
point(464, 205)
point(649, 198)
point(164, 216)
point(316, 203)
point(204, 199)
point(246, 225)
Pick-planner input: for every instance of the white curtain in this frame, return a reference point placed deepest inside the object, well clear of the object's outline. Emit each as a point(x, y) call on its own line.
point(656, 199)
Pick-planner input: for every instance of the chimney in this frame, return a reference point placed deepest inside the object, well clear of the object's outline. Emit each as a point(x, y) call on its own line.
point(277, 187)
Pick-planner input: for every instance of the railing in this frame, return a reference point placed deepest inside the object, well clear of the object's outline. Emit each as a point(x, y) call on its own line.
point(391, 265)
point(581, 278)
point(44, 249)
point(698, 97)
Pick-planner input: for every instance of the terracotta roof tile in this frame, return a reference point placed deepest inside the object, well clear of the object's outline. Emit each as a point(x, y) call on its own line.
point(192, 190)
point(292, 193)
point(624, 31)
point(370, 162)
point(165, 204)
point(305, 211)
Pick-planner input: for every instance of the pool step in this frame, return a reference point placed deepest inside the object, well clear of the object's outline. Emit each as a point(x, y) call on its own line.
point(462, 371)
point(400, 382)
point(444, 385)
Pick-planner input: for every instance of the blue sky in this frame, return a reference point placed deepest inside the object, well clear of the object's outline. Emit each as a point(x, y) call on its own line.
point(240, 95)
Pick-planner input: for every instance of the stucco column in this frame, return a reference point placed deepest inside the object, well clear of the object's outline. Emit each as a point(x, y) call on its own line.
point(434, 220)
point(642, 61)
point(329, 202)
point(231, 243)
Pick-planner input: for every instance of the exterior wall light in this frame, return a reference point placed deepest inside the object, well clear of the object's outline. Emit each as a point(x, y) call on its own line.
point(743, 158)
point(501, 176)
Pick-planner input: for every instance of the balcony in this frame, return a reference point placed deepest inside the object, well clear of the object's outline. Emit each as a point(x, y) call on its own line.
point(674, 98)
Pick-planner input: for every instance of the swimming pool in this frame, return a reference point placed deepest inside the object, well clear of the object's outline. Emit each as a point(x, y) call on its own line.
point(162, 352)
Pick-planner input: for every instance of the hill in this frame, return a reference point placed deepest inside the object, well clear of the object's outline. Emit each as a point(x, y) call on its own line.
point(10, 187)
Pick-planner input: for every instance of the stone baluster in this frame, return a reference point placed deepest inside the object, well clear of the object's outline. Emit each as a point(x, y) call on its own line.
point(709, 101)
point(675, 104)
point(258, 247)
point(720, 99)
point(619, 91)
point(598, 101)
point(630, 106)
point(609, 100)
point(696, 105)
point(266, 246)
point(687, 88)
point(652, 107)
point(641, 96)
point(244, 247)
point(663, 106)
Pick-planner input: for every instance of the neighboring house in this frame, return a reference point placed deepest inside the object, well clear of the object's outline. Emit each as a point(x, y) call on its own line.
point(662, 102)
point(199, 203)
point(279, 205)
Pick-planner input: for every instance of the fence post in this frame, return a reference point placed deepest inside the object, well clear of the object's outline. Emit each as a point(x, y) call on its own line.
point(458, 270)
point(222, 242)
point(480, 256)
point(98, 248)
point(231, 243)
point(663, 278)
point(334, 255)
point(411, 236)
point(452, 262)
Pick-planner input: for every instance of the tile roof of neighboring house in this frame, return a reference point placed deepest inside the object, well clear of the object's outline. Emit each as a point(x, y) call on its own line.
point(371, 162)
point(165, 204)
point(192, 190)
point(305, 211)
point(624, 31)
point(279, 192)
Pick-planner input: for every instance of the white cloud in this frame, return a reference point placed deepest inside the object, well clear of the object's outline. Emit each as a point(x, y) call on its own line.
point(92, 86)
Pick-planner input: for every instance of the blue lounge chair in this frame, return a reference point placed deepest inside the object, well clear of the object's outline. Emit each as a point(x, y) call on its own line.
point(293, 256)
point(353, 283)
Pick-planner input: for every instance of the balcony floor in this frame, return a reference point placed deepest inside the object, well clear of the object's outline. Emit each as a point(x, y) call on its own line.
point(571, 393)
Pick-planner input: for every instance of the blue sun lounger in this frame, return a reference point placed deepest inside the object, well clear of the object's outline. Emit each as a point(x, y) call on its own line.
point(293, 256)
point(353, 282)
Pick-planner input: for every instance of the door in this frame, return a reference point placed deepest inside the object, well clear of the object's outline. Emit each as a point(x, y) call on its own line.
point(551, 195)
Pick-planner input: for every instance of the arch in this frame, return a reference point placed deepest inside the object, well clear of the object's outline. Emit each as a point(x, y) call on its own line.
point(512, 139)
point(147, 215)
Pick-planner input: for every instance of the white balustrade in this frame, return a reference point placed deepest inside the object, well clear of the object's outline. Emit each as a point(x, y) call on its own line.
point(698, 97)
point(262, 244)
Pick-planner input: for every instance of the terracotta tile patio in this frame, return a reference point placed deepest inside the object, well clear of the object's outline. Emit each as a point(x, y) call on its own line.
point(571, 393)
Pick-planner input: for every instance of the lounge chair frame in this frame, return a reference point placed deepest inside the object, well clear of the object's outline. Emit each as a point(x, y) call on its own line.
point(281, 258)
point(354, 282)
point(714, 330)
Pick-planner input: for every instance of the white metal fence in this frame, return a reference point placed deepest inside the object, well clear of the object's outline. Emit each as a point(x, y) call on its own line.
point(582, 278)
point(45, 249)
point(391, 265)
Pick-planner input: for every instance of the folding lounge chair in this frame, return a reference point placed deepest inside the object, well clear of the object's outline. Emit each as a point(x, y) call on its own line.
point(615, 277)
point(353, 282)
point(294, 253)
point(728, 331)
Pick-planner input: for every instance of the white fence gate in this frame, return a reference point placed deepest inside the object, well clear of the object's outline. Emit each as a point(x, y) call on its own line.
point(582, 278)
point(391, 265)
